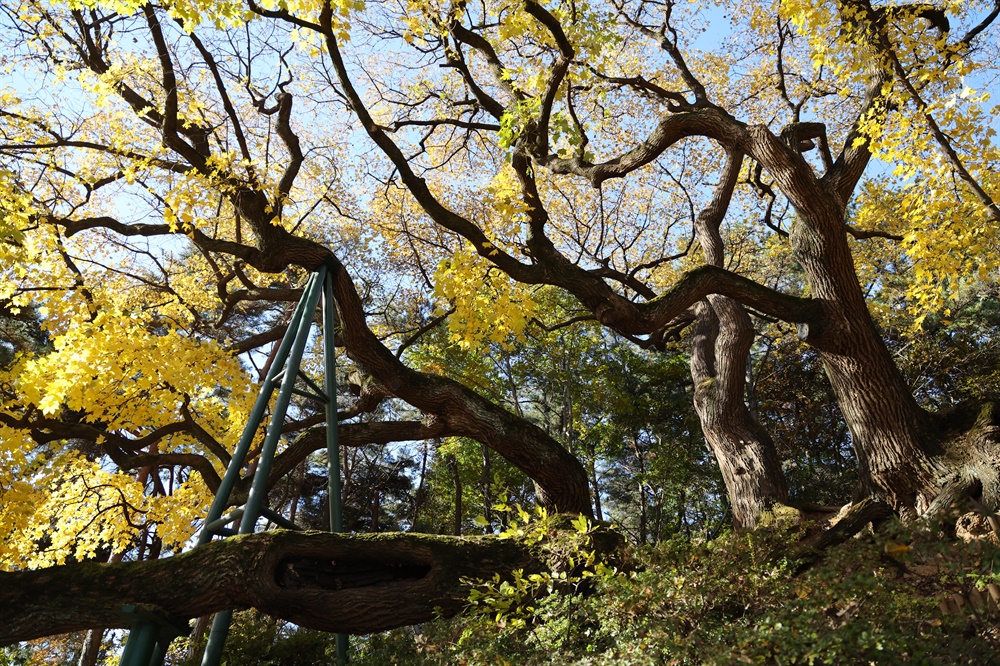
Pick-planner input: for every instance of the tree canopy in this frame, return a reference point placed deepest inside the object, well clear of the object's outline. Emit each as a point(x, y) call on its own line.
point(570, 243)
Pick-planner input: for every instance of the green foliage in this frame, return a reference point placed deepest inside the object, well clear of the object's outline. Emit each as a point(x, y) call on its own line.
point(875, 599)
point(485, 480)
point(815, 444)
point(625, 412)
point(15, 655)
point(576, 567)
point(514, 121)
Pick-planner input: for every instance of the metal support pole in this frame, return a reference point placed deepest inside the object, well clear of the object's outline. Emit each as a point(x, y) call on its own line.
point(256, 416)
point(298, 330)
point(220, 623)
point(160, 651)
point(258, 489)
point(140, 645)
point(330, 387)
point(148, 640)
point(332, 437)
point(150, 636)
point(217, 638)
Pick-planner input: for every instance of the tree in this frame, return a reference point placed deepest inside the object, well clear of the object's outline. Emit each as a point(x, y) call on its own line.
point(170, 171)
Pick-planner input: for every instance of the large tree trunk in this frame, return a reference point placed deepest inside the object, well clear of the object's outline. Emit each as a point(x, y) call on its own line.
point(723, 335)
point(918, 462)
point(332, 582)
point(894, 439)
point(744, 450)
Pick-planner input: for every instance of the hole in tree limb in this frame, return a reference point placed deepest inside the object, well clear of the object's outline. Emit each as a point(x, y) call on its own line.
point(976, 490)
point(297, 573)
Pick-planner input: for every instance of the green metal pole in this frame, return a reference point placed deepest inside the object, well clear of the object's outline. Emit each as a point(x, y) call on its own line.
point(258, 489)
point(160, 651)
point(141, 642)
point(332, 436)
point(330, 387)
point(342, 649)
point(221, 500)
point(217, 638)
point(292, 346)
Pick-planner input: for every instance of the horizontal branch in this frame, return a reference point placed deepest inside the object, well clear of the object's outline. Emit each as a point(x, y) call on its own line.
point(464, 124)
point(643, 318)
point(122, 450)
point(74, 227)
point(353, 435)
point(791, 173)
point(862, 234)
point(258, 340)
point(45, 429)
point(195, 461)
point(331, 582)
point(709, 122)
point(281, 248)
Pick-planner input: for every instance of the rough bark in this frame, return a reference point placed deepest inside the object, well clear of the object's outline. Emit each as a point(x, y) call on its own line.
point(917, 462)
point(721, 341)
point(745, 452)
point(331, 582)
point(892, 435)
point(970, 464)
point(854, 519)
point(897, 449)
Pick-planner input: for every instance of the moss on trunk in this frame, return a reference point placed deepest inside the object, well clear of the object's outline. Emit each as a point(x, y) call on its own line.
point(332, 582)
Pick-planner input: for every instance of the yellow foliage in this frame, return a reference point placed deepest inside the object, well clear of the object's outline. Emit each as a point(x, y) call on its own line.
point(84, 508)
point(489, 306)
point(948, 235)
point(180, 513)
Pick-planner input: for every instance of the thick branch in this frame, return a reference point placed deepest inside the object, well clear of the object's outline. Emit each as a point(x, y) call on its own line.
point(712, 123)
point(853, 521)
point(122, 449)
point(642, 318)
point(476, 41)
point(560, 479)
point(331, 582)
point(258, 340)
point(196, 462)
point(281, 249)
point(436, 122)
point(291, 141)
point(171, 139)
point(559, 70)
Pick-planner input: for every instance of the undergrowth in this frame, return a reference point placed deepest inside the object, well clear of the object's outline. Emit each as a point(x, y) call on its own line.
point(888, 598)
